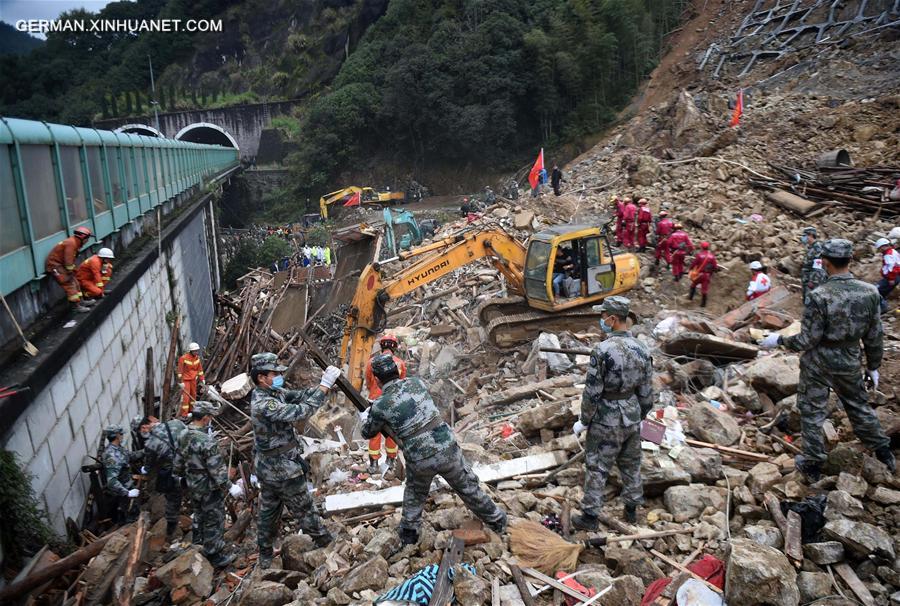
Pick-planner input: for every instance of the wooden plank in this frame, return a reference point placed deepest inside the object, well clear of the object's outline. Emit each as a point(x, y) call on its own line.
point(443, 588)
point(555, 584)
point(862, 592)
point(678, 566)
point(495, 592)
point(519, 580)
point(170, 369)
point(770, 299)
point(753, 456)
point(774, 507)
point(701, 345)
point(125, 585)
point(792, 546)
point(792, 202)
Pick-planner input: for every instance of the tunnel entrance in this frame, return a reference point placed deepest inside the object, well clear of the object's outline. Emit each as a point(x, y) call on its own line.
point(204, 132)
point(140, 129)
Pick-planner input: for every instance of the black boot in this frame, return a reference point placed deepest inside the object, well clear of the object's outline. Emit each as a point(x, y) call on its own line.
point(692, 293)
point(585, 522)
point(885, 455)
point(677, 277)
point(631, 513)
point(408, 536)
point(702, 300)
point(223, 560)
point(811, 470)
point(171, 527)
point(323, 540)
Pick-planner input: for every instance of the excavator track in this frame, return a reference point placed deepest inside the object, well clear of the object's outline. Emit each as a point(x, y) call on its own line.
point(497, 308)
point(508, 329)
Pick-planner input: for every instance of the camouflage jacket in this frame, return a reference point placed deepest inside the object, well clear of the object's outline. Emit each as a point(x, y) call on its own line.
point(404, 410)
point(618, 388)
point(158, 450)
point(200, 462)
point(273, 413)
point(812, 271)
point(842, 312)
point(117, 463)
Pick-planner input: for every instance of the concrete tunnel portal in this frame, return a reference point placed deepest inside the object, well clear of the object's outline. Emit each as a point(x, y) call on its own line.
point(205, 132)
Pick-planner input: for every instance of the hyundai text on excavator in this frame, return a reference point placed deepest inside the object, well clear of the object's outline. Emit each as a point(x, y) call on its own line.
point(597, 271)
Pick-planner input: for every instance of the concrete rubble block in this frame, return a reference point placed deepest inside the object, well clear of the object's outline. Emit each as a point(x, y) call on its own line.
point(626, 590)
point(189, 572)
point(289, 578)
point(594, 575)
point(841, 505)
point(826, 552)
point(813, 586)
point(688, 119)
point(368, 575)
point(704, 464)
point(523, 219)
point(758, 575)
point(744, 395)
point(385, 543)
point(501, 212)
point(305, 593)
point(557, 363)
point(659, 473)
point(510, 596)
point(710, 424)
point(552, 415)
point(769, 536)
point(338, 597)
point(293, 552)
point(646, 170)
point(266, 593)
point(762, 477)
point(688, 502)
point(861, 538)
point(469, 588)
point(521, 392)
point(853, 485)
point(845, 458)
point(777, 376)
point(886, 496)
point(631, 562)
point(108, 563)
point(445, 361)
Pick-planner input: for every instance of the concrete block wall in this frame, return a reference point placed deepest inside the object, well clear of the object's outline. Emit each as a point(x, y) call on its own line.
point(102, 384)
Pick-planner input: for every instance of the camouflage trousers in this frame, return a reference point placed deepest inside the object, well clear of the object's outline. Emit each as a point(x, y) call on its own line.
point(171, 489)
point(209, 523)
point(450, 465)
point(607, 445)
point(812, 401)
point(273, 497)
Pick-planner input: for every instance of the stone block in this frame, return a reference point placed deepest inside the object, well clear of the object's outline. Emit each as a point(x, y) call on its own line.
point(861, 538)
point(75, 454)
point(853, 485)
point(62, 390)
point(60, 437)
point(91, 429)
point(80, 366)
point(687, 502)
point(712, 425)
point(813, 586)
point(758, 575)
point(18, 440)
point(368, 575)
point(841, 505)
point(827, 552)
point(57, 489)
point(78, 408)
point(93, 348)
point(762, 477)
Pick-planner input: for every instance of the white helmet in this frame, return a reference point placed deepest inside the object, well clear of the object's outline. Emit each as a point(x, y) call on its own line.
point(756, 266)
point(882, 242)
point(105, 253)
point(193, 347)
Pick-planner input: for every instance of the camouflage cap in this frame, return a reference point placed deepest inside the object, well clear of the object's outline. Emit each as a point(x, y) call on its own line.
point(616, 305)
point(266, 361)
point(203, 408)
point(384, 365)
point(809, 229)
point(136, 422)
point(837, 248)
point(112, 431)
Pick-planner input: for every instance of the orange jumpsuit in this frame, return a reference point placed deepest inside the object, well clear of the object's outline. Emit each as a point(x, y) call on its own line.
point(375, 392)
point(106, 272)
point(190, 371)
point(61, 265)
point(90, 277)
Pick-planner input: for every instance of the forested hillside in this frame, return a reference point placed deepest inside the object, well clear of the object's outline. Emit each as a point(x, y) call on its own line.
point(14, 42)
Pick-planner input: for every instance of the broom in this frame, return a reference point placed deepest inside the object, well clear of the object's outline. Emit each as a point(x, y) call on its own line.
point(541, 548)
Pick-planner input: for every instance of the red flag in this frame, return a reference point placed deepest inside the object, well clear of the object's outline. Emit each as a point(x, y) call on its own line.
point(353, 200)
point(738, 109)
point(534, 175)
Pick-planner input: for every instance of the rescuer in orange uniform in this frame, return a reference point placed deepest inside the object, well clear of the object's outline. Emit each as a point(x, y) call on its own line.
point(60, 264)
point(190, 373)
point(91, 276)
point(388, 344)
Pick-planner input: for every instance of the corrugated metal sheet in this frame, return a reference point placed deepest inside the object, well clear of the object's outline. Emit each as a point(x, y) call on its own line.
point(195, 257)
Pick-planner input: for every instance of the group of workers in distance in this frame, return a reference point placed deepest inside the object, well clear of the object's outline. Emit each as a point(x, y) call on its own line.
point(85, 284)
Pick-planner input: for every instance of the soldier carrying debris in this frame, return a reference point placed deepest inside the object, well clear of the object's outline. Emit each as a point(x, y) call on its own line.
point(280, 466)
point(841, 312)
point(203, 468)
point(812, 274)
point(406, 410)
point(117, 464)
point(160, 441)
point(618, 393)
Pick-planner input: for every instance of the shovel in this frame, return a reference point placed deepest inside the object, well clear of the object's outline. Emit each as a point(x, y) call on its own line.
point(30, 349)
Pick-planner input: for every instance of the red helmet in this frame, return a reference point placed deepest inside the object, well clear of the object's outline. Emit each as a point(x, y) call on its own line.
point(83, 232)
point(389, 341)
point(704, 245)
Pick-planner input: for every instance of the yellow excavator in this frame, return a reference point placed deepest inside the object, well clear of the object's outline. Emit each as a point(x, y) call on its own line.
point(367, 195)
point(595, 271)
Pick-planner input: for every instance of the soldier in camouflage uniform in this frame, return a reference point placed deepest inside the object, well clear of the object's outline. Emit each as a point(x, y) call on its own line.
point(841, 312)
point(812, 274)
point(406, 411)
point(279, 454)
point(200, 463)
point(117, 464)
point(617, 394)
point(160, 440)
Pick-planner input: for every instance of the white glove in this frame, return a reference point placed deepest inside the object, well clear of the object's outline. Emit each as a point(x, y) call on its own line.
point(236, 491)
point(873, 374)
point(770, 342)
point(364, 416)
point(143, 470)
point(134, 492)
point(329, 377)
point(578, 428)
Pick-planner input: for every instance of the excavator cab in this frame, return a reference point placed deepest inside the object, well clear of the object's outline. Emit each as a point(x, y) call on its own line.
point(572, 265)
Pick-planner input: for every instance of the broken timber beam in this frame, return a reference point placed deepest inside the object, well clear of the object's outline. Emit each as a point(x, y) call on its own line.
point(745, 454)
point(443, 587)
point(528, 391)
point(861, 591)
point(792, 546)
point(519, 580)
